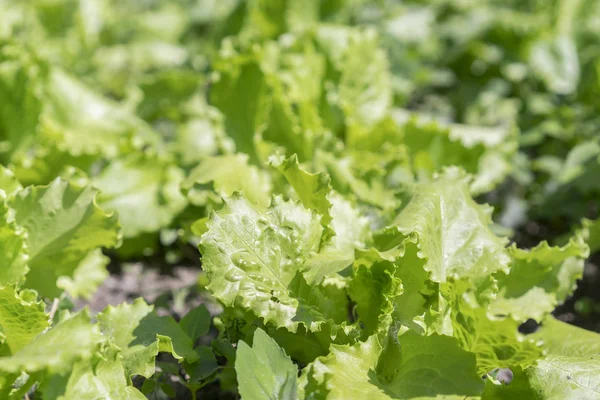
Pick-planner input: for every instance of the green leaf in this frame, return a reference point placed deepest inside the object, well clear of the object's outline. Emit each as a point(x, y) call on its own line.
point(373, 288)
point(304, 347)
point(348, 177)
point(302, 17)
point(518, 388)
point(312, 189)
point(253, 259)
point(351, 228)
point(592, 234)
point(564, 377)
point(540, 279)
point(141, 334)
point(350, 231)
point(575, 163)
point(570, 369)
point(87, 277)
point(168, 93)
point(264, 371)
point(365, 90)
point(237, 95)
point(205, 366)
point(484, 152)
point(389, 287)
point(453, 231)
point(348, 372)
point(581, 343)
point(120, 325)
point(22, 317)
point(82, 122)
point(229, 174)
point(196, 322)
point(264, 19)
point(168, 390)
point(8, 182)
point(63, 225)
point(43, 162)
point(55, 351)
point(144, 190)
point(557, 63)
point(104, 378)
point(223, 348)
point(20, 83)
point(496, 343)
point(294, 124)
point(13, 249)
point(200, 137)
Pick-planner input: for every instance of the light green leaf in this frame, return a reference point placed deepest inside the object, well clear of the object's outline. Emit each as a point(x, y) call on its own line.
point(557, 63)
point(63, 225)
point(264, 19)
point(8, 182)
point(390, 287)
point(338, 216)
point(55, 351)
point(571, 370)
point(255, 259)
point(312, 189)
point(410, 305)
point(293, 124)
point(87, 277)
point(496, 343)
point(540, 279)
point(453, 231)
point(575, 163)
point(199, 138)
point(144, 189)
point(591, 234)
point(141, 334)
point(20, 106)
point(229, 174)
point(351, 229)
point(581, 343)
point(373, 288)
point(264, 371)
point(564, 377)
point(82, 122)
point(120, 325)
point(484, 152)
point(13, 249)
point(21, 318)
point(348, 227)
point(348, 178)
point(345, 373)
point(90, 381)
point(349, 372)
point(365, 90)
point(302, 16)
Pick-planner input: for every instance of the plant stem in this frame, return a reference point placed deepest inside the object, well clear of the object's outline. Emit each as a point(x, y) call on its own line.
point(53, 309)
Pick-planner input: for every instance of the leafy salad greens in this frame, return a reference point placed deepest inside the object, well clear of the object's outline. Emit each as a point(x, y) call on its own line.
point(333, 162)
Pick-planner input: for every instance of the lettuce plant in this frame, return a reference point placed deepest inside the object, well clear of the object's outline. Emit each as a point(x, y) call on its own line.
point(332, 162)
